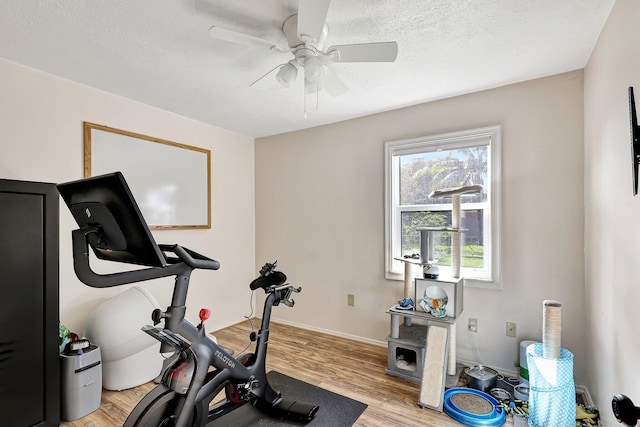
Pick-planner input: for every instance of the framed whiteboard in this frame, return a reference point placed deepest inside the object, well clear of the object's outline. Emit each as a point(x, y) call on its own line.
point(171, 182)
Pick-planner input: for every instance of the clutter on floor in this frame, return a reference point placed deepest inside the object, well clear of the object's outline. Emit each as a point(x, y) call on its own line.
point(512, 403)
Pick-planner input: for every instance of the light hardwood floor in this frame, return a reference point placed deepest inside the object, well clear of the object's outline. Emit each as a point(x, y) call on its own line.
point(347, 367)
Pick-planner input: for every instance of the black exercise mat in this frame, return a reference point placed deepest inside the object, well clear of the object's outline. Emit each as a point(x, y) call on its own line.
point(335, 410)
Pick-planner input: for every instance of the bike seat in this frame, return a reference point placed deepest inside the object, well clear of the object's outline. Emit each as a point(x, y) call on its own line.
point(275, 278)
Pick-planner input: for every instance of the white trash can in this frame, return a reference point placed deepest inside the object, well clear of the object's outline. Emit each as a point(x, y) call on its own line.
point(81, 381)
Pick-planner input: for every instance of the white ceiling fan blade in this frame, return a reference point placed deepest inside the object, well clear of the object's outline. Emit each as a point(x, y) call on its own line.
point(244, 39)
point(332, 84)
point(312, 15)
point(364, 52)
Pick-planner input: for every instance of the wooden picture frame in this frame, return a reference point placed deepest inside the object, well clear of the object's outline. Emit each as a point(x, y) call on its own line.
point(170, 181)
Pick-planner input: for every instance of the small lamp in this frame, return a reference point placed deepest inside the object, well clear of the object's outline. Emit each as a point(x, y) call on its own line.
point(287, 74)
point(313, 70)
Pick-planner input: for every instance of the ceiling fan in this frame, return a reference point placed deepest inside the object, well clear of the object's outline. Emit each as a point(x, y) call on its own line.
point(305, 33)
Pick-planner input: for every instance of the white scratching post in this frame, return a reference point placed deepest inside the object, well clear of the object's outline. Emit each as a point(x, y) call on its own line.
point(409, 282)
point(456, 249)
point(456, 252)
point(552, 396)
point(451, 358)
point(551, 329)
point(409, 287)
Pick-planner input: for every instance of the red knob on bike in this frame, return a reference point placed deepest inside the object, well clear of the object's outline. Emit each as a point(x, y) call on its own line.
point(204, 314)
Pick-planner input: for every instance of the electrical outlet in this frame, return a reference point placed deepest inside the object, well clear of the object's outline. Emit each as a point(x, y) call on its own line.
point(511, 329)
point(351, 300)
point(473, 325)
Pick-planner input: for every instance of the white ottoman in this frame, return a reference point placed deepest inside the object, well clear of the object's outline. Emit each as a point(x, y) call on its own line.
point(130, 357)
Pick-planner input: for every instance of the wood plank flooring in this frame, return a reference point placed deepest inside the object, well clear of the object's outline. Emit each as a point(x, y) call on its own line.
point(344, 366)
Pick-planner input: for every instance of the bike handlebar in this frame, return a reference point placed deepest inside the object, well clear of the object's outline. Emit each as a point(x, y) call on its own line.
point(189, 257)
point(285, 292)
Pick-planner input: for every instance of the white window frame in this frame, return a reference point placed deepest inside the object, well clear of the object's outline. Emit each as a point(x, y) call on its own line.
point(394, 269)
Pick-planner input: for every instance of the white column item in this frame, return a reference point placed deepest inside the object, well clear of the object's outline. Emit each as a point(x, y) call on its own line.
point(451, 358)
point(455, 238)
point(524, 369)
point(426, 242)
point(395, 326)
point(551, 329)
point(409, 287)
point(409, 281)
point(431, 246)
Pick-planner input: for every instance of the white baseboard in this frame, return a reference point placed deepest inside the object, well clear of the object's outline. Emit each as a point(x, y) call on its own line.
point(331, 332)
point(585, 392)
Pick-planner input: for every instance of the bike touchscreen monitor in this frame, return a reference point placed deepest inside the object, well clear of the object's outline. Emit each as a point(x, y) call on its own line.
point(116, 229)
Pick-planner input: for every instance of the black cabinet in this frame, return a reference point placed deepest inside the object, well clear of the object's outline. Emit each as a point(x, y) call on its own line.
point(29, 300)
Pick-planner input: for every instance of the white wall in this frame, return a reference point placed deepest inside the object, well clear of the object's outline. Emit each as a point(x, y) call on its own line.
point(320, 213)
point(612, 234)
point(41, 140)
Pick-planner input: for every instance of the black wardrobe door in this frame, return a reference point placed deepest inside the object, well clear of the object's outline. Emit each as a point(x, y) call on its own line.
point(22, 301)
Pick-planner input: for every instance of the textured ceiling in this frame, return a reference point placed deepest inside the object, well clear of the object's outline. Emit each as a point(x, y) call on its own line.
point(159, 52)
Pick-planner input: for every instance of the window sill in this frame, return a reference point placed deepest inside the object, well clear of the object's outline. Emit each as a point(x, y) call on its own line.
point(490, 284)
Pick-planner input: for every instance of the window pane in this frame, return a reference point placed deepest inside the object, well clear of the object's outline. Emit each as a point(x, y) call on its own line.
point(472, 243)
point(472, 240)
point(410, 238)
point(422, 173)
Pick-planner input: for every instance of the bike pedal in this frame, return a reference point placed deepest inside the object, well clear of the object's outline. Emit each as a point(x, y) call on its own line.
point(291, 410)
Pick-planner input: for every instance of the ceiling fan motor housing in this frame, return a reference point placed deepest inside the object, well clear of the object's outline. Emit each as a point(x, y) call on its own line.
point(290, 30)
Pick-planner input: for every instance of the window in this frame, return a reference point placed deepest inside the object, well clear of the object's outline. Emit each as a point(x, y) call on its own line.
point(416, 167)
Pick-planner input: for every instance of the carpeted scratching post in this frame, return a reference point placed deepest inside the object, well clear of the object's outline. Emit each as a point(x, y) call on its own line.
point(409, 287)
point(552, 393)
point(433, 375)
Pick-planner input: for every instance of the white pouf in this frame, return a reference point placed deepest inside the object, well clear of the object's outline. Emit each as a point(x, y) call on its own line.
point(130, 357)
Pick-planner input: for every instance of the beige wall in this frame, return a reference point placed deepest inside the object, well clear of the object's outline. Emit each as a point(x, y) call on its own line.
point(41, 140)
point(612, 234)
point(320, 213)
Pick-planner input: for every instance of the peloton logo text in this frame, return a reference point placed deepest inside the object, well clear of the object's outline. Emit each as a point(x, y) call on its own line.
point(225, 359)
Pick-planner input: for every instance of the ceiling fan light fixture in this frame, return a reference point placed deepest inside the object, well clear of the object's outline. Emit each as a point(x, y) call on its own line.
point(313, 70)
point(287, 74)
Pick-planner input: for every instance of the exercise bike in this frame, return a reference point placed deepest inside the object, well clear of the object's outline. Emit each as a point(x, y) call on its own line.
point(103, 207)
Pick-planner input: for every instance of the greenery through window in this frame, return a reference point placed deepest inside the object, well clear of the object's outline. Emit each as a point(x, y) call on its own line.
point(415, 168)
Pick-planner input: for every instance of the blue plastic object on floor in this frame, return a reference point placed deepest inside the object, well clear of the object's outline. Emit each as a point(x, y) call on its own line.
point(495, 417)
point(552, 393)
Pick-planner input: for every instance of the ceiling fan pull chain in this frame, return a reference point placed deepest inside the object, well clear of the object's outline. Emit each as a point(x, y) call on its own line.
point(266, 74)
point(305, 99)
